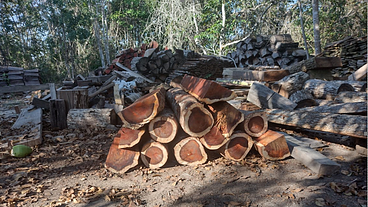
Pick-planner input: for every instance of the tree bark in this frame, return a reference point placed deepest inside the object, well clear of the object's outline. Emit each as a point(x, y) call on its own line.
point(317, 39)
point(121, 160)
point(326, 89)
point(164, 127)
point(350, 125)
point(206, 91)
point(359, 74)
point(315, 63)
point(144, 109)
point(342, 108)
point(190, 151)
point(193, 117)
point(303, 98)
point(290, 84)
point(349, 96)
point(255, 123)
point(272, 146)
point(237, 147)
point(154, 155)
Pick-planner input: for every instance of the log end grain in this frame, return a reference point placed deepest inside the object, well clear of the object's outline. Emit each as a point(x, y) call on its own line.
point(154, 155)
point(121, 160)
point(190, 151)
point(237, 147)
point(163, 128)
point(272, 146)
point(255, 123)
point(214, 139)
point(129, 137)
point(198, 119)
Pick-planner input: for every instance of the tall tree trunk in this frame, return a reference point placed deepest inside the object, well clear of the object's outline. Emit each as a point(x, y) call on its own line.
point(317, 39)
point(97, 35)
point(302, 26)
point(105, 35)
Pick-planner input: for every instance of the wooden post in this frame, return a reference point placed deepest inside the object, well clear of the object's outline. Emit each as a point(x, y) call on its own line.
point(272, 146)
point(237, 147)
point(154, 155)
point(58, 114)
point(190, 151)
point(52, 91)
point(163, 128)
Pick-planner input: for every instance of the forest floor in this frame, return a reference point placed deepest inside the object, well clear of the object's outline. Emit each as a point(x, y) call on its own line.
point(67, 169)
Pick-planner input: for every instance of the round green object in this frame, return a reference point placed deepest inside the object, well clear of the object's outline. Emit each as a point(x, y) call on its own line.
point(21, 151)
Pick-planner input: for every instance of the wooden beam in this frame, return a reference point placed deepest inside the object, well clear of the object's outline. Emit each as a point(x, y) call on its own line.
point(359, 74)
point(15, 89)
point(132, 73)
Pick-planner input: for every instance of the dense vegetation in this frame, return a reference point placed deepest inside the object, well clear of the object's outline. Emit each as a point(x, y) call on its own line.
point(65, 38)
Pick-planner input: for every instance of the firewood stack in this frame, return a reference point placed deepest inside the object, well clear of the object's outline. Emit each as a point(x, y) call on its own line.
point(16, 76)
point(353, 54)
point(275, 50)
point(186, 121)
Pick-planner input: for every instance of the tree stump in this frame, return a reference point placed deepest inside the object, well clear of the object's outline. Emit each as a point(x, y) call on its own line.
point(143, 110)
point(154, 154)
point(272, 146)
point(190, 151)
point(193, 117)
point(237, 147)
point(164, 126)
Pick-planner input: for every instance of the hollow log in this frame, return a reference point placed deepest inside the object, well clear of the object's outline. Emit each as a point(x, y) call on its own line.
point(163, 128)
point(143, 110)
point(272, 146)
point(154, 154)
point(303, 98)
point(193, 117)
point(350, 125)
point(290, 84)
point(190, 151)
point(348, 96)
point(237, 147)
point(121, 160)
point(255, 123)
point(206, 91)
point(326, 89)
point(129, 137)
point(214, 139)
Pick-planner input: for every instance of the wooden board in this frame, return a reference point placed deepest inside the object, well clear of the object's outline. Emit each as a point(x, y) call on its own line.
point(15, 89)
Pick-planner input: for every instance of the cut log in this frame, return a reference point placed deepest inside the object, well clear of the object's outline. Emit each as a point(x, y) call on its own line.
point(140, 64)
point(129, 137)
point(315, 63)
point(193, 117)
point(121, 160)
point(85, 118)
point(163, 128)
point(342, 108)
point(58, 114)
point(272, 146)
point(154, 155)
point(237, 147)
point(312, 159)
point(206, 91)
point(348, 96)
point(226, 117)
point(144, 109)
point(264, 97)
point(359, 74)
point(214, 139)
point(303, 98)
point(290, 84)
point(326, 89)
point(266, 76)
point(190, 151)
point(255, 123)
point(280, 38)
point(350, 125)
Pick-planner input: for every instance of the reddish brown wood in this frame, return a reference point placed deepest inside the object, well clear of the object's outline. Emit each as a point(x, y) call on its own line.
point(206, 91)
point(237, 147)
point(272, 146)
point(214, 139)
point(193, 117)
point(154, 155)
point(129, 137)
point(164, 126)
point(144, 109)
point(190, 151)
point(255, 123)
point(121, 160)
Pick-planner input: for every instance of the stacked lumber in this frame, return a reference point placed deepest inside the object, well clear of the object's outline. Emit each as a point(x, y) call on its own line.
point(353, 54)
point(16, 76)
point(182, 123)
point(274, 50)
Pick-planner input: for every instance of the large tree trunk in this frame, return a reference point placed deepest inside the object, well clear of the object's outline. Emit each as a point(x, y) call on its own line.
point(350, 125)
point(317, 39)
point(193, 117)
point(255, 123)
point(326, 89)
point(121, 160)
point(206, 91)
point(154, 154)
point(164, 127)
point(190, 151)
point(237, 147)
point(143, 110)
point(272, 146)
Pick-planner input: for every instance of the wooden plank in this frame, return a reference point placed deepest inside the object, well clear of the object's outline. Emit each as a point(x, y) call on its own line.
point(264, 97)
point(315, 63)
point(359, 74)
point(312, 159)
point(100, 90)
point(40, 103)
point(119, 99)
point(22, 88)
point(58, 114)
point(350, 125)
point(28, 117)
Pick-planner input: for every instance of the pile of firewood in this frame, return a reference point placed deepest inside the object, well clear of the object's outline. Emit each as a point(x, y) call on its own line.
point(16, 76)
point(353, 54)
point(276, 50)
point(184, 122)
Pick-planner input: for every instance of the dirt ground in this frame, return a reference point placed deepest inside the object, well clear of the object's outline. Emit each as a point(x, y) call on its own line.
point(67, 169)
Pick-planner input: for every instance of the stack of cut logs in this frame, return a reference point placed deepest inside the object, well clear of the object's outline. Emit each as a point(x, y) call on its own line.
point(276, 50)
point(353, 53)
point(185, 122)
